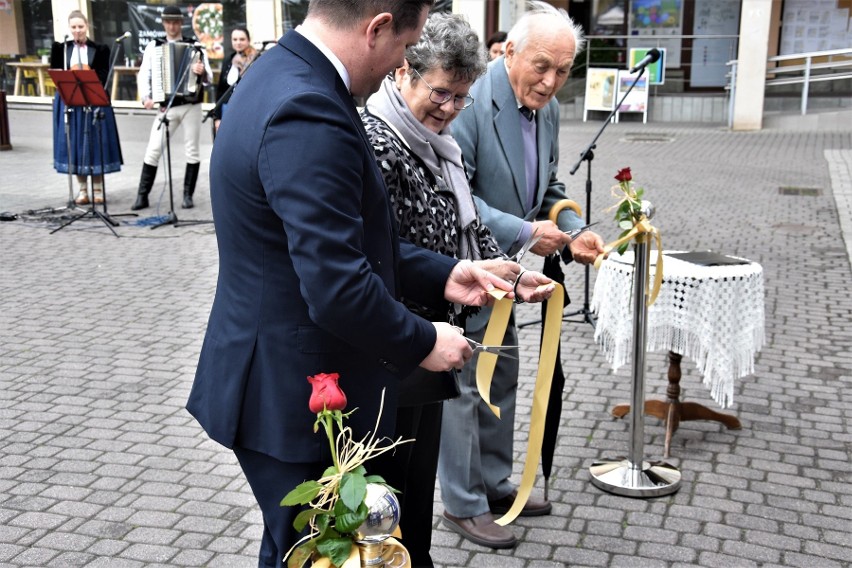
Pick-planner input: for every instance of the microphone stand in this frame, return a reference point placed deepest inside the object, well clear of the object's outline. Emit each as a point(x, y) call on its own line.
point(171, 218)
point(587, 156)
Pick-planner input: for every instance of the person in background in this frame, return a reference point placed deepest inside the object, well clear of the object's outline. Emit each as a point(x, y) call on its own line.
point(242, 57)
point(509, 140)
point(407, 122)
point(86, 144)
point(185, 111)
point(311, 267)
point(494, 45)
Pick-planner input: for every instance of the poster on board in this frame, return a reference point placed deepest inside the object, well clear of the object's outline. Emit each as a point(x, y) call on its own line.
point(656, 71)
point(600, 90)
point(637, 99)
point(657, 18)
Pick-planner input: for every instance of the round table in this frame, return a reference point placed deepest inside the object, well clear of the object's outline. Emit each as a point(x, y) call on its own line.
point(711, 313)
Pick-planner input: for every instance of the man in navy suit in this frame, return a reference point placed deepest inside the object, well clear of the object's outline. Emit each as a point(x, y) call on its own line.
point(310, 265)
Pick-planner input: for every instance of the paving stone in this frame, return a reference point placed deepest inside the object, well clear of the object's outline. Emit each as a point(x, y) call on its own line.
point(101, 465)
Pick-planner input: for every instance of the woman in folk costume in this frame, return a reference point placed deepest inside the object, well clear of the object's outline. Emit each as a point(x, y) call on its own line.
point(93, 147)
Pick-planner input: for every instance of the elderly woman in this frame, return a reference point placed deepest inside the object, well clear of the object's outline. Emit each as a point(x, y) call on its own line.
point(407, 121)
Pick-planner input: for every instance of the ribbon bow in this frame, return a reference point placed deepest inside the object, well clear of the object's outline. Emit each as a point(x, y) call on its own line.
point(641, 231)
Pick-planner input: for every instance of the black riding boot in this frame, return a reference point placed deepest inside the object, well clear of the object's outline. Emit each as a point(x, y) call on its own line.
point(146, 182)
point(189, 184)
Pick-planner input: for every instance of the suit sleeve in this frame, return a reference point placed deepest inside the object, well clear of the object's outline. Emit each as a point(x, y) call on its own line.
point(556, 189)
point(325, 193)
point(467, 128)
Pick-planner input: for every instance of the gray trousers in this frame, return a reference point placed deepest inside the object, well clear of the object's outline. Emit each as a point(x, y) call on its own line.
point(476, 455)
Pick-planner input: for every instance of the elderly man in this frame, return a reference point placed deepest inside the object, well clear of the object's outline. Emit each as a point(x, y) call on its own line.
point(311, 269)
point(509, 140)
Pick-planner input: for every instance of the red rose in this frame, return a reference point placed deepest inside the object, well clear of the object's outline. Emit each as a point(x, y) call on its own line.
point(624, 175)
point(326, 393)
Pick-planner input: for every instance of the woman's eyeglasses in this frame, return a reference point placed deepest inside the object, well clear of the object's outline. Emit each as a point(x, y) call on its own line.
point(441, 96)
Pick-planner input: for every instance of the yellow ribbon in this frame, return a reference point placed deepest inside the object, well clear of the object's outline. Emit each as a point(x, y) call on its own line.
point(494, 334)
point(640, 232)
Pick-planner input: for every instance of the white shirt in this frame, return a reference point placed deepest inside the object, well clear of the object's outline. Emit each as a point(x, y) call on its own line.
point(341, 70)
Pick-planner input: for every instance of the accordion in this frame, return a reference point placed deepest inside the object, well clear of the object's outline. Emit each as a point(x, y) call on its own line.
point(172, 62)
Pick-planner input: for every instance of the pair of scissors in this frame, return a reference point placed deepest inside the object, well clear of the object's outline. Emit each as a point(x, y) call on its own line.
point(574, 233)
point(493, 349)
point(531, 242)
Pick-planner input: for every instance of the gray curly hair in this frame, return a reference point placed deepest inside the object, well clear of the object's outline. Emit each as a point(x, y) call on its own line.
point(520, 31)
point(448, 43)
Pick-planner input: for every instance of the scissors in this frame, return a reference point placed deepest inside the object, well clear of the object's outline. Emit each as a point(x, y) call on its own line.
point(493, 349)
point(574, 233)
point(531, 242)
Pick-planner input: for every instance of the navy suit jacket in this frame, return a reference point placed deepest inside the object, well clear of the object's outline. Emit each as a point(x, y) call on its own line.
point(310, 264)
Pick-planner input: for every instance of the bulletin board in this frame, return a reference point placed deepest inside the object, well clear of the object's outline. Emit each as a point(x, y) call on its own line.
point(637, 100)
point(600, 90)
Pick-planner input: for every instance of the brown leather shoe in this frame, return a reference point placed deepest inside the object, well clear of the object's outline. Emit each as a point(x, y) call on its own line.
point(532, 508)
point(481, 530)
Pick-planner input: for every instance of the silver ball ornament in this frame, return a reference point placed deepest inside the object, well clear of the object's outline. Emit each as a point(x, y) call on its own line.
point(383, 516)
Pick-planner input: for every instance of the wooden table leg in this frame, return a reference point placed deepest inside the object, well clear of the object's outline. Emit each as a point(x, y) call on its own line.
point(673, 411)
point(18, 74)
point(41, 82)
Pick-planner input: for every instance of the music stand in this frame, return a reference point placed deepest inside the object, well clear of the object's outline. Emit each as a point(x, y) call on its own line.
point(81, 88)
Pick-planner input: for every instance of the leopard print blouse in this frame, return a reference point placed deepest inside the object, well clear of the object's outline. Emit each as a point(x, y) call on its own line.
point(423, 204)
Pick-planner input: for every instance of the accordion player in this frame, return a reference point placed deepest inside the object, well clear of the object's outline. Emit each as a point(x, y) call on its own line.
point(171, 72)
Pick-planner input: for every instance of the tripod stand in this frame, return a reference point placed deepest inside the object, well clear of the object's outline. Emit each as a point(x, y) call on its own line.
point(171, 218)
point(81, 88)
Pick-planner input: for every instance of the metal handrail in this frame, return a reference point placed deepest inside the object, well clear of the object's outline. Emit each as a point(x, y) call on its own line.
point(830, 70)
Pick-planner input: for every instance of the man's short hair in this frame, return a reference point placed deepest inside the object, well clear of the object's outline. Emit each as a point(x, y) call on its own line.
point(519, 33)
point(345, 14)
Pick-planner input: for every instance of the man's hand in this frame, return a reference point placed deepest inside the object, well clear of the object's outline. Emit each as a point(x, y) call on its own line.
point(586, 247)
point(534, 286)
point(198, 68)
point(470, 285)
point(505, 269)
point(148, 103)
point(451, 349)
point(552, 239)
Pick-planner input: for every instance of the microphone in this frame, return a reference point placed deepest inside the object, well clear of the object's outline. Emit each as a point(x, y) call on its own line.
point(651, 57)
point(64, 38)
point(125, 35)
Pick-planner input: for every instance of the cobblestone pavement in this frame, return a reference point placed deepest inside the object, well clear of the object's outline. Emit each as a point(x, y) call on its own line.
point(100, 464)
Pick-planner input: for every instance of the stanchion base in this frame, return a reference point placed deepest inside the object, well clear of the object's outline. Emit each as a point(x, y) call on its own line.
point(622, 477)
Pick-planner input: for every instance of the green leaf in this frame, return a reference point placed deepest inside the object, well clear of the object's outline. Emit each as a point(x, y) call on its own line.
point(640, 192)
point(329, 471)
point(337, 549)
point(301, 555)
point(347, 521)
point(360, 470)
point(376, 479)
point(324, 523)
point(303, 494)
point(623, 209)
point(626, 224)
point(353, 489)
point(304, 517)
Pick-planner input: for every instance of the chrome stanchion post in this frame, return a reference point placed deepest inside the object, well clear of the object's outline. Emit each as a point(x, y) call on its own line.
point(634, 477)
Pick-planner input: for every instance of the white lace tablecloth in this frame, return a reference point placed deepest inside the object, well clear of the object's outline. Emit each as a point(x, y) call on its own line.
point(711, 314)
